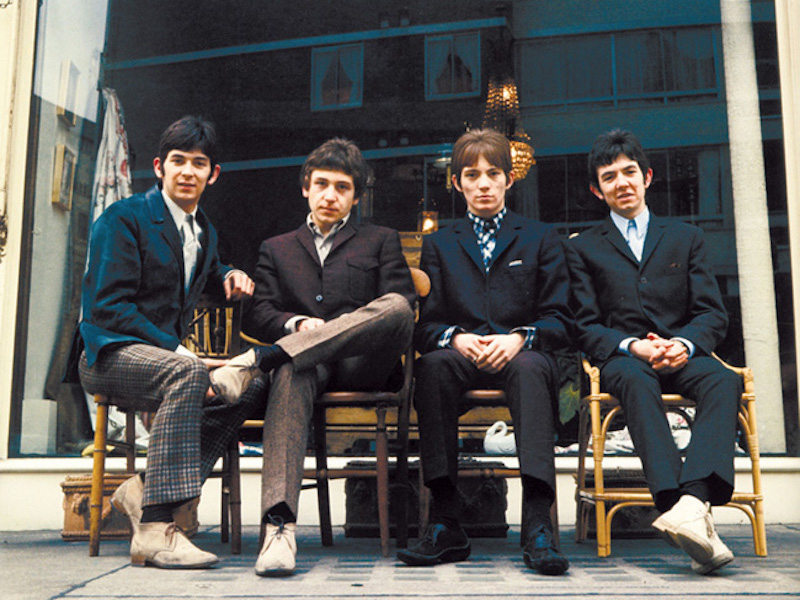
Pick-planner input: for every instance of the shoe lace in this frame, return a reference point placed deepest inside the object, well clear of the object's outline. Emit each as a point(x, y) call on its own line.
point(278, 522)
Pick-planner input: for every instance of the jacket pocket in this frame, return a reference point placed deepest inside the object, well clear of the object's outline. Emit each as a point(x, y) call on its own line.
point(362, 273)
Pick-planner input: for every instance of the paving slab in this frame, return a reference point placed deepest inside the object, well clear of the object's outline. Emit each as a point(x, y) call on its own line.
point(39, 565)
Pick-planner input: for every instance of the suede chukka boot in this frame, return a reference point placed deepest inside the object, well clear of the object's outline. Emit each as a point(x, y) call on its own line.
point(688, 526)
point(231, 380)
point(127, 499)
point(163, 545)
point(277, 556)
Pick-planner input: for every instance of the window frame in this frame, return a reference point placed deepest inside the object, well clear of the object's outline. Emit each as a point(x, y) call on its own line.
point(316, 91)
point(431, 94)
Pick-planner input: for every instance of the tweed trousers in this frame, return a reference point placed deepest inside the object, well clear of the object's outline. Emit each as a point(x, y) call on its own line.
point(357, 350)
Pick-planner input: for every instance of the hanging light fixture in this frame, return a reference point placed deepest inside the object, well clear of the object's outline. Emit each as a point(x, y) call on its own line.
point(502, 114)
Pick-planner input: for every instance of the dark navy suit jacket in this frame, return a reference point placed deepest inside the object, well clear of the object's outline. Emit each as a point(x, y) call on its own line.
point(527, 284)
point(133, 287)
point(365, 262)
point(672, 292)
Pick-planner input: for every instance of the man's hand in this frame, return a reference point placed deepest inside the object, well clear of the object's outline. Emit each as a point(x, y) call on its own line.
point(238, 285)
point(310, 323)
point(468, 345)
point(675, 355)
point(498, 350)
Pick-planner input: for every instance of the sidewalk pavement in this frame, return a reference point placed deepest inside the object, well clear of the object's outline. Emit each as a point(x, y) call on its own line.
point(38, 565)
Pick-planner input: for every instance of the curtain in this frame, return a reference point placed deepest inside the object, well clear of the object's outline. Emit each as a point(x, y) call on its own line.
point(438, 50)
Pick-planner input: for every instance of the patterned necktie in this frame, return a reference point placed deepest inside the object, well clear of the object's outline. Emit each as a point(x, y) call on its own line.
point(191, 248)
point(486, 241)
point(634, 242)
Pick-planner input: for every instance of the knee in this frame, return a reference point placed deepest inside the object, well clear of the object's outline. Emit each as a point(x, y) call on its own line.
point(433, 362)
point(192, 371)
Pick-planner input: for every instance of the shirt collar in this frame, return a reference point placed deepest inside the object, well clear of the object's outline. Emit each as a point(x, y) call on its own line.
point(336, 226)
point(177, 213)
point(642, 221)
point(497, 219)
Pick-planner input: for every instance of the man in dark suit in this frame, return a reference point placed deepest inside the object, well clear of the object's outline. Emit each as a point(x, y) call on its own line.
point(648, 310)
point(150, 257)
point(497, 307)
point(336, 299)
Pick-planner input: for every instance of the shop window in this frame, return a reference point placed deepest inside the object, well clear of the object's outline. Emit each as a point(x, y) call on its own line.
point(452, 66)
point(337, 77)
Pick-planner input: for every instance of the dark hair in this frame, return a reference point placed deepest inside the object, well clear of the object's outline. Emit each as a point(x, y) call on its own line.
point(189, 133)
point(338, 154)
point(490, 144)
point(608, 146)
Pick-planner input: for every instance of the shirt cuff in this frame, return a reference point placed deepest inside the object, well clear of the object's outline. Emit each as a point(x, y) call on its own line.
point(231, 272)
point(529, 333)
point(291, 325)
point(624, 345)
point(184, 351)
point(447, 336)
point(689, 345)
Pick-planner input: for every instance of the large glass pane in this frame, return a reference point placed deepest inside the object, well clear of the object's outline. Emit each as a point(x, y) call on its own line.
point(640, 63)
point(689, 60)
point(544, 65)
point(588, 70)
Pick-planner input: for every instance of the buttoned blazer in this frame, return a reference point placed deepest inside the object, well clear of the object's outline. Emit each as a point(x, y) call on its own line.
point(133, 287)
point(527, 283)
point(671, 292)
point(365, 262)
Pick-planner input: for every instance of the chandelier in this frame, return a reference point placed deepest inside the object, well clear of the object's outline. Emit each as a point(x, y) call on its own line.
point(502, 114)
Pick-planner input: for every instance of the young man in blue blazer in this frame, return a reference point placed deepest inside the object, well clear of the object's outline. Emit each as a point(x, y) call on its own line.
point(497, 308)
point(649, 313)
point(150, 257)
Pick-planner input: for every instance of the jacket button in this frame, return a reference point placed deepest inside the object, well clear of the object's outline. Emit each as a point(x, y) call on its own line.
point(643, 280)
point(319, 298)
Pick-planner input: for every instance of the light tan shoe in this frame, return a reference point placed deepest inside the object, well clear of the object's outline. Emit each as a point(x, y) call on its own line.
point(232, 379)
point(127, 499)
point(277, 556)
point(721, 557)
point(688, 526)
point(163, 545)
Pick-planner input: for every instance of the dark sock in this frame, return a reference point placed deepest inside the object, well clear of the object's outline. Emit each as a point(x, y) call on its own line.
point(279, 511)
point(161, 513)
point(537, 497)
point(141, 476)
point(666, 499)
point(445, 502)
point(269, 357)
point(698, 488)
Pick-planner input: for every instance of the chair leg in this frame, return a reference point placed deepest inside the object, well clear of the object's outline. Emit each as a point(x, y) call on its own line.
point(424, 501)
point(235, 505)
point(130, 440)
point(323, 497)
point(225, 497)
point(382, 475)
point(401, 482)
point(98, 475)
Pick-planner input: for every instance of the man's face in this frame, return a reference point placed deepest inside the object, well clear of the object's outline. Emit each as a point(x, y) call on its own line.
point(331, 197)
point(622, 186)
point(484, 187)
point(184, 175)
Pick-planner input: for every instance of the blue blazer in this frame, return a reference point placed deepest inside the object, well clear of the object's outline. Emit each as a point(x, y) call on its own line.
point(133, 286)
point(527, 283)
point(671, 292)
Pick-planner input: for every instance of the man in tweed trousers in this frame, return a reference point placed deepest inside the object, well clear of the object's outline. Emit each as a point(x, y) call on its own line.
point(150, 257)
point(335, 297)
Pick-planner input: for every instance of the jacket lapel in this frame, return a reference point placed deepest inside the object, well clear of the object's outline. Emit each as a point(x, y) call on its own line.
point(348, 231)
point(466, 238)
point(162, 221)
point(508, 232)
point(655, 231)
point(306, 240)
point(614, 237)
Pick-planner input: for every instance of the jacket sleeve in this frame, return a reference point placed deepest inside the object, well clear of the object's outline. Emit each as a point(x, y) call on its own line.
point(594, 337)
point(553, 316)
point(707, 319)
point(394, 275)
point(112, 279)
point(433, 320)
point(268, 315)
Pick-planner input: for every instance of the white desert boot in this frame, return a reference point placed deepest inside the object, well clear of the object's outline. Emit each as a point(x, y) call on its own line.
point(230, 380)
point(165, 546)
point(687, 525)
point(277, 556)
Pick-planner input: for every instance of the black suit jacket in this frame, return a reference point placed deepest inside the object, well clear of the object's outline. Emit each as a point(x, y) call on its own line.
point(364, 263)
point(133, 286)
point(527, 284)
point(672, 292)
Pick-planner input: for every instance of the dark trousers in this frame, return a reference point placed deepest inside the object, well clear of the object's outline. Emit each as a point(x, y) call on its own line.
point(529, 381)
point(715, 389)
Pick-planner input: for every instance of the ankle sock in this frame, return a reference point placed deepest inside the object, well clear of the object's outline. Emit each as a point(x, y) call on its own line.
point(280, 512)
point(537, 499)
point(270, 357)
point(445, 503)
point(161, 513)
point(698, 488)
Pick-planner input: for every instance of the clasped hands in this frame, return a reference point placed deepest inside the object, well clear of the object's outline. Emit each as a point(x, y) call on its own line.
point(665, 356)
point(489, 353)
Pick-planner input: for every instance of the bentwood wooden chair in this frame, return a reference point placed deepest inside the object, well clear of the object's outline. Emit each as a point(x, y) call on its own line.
point(598, 410)
point(213, 333)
